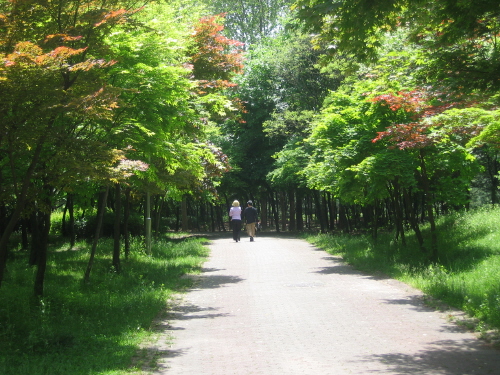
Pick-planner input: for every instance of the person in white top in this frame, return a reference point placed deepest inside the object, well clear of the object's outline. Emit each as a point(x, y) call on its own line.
point(235, 217)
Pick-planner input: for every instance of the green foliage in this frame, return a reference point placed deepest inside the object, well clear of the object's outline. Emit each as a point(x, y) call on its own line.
point(375, 172)
point(282, 87)
point(341, 138)
point(356, 27)
point(160, 113)
point(105, 320)
point(123, 101)
point(487, 121)
point(55, 98)
point(349, 159)
point(458, 39)
point(289, 164)
point(250, 21)
point(465, 276)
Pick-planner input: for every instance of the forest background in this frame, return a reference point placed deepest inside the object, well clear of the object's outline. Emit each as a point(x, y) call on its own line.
point(127, 120)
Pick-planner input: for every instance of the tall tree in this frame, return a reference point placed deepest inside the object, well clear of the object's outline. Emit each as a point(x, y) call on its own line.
point(282, 87)
point(56, 103)
point(37, 123)
point(250, 21)
point(459, 39)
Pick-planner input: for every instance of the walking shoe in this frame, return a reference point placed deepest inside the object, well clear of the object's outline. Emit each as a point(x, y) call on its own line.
point(251, 239)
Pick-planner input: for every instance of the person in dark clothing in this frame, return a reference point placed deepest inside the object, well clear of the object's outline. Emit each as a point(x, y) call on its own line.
point(251, 218)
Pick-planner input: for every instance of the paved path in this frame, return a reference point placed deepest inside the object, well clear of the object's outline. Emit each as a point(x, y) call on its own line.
point(283, 307)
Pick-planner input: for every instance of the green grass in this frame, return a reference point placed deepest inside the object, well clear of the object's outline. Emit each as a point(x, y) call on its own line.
point(467, 275)
point(94, 328)
point(108, 319)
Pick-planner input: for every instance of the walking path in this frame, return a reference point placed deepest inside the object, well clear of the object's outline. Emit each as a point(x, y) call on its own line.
point(280, 306)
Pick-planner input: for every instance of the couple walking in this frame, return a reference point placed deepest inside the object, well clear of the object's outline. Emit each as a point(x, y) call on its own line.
point(249, 214)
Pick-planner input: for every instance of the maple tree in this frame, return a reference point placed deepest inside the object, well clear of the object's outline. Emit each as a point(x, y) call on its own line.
point(215, 58)
point(484, 143)
point(429, 141)
point(381, 146)
point(96, 94)
point(56, 104)
point(162, 112)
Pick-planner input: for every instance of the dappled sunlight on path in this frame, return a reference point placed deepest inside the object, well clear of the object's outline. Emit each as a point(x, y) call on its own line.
point(281, 306)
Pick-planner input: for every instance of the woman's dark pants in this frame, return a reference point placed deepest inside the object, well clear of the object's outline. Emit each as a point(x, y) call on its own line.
point(236, 229)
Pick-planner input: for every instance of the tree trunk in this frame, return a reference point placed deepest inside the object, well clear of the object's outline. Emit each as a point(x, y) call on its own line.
point(492, 169)
point(42, 253)
point(398, 212)
point(325, 210)
point(319, 211)
point(332, 211)
point(126, 219)
point(412, 218)
point(157, 214)
point(221, 216)
point(282, 198)
point(35, 237)
point(264, 210)
point(275, 212)
point(64, 228)
point(374, 223)
point(203, 217)
point(24, 234)
point(116, 228)
point(212, 218)
point(309, 208)
point(298, 210)
point(103, 196)
point(147, 222)
point(343, 220)
point(177, 217)
point(197, 216)
point(185, 226)
point(19, 207)
point(3, 217)
point(291, 198)
point(71, 224)
point(429, 208)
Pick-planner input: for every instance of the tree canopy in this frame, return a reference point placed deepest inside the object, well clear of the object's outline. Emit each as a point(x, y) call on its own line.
point(337, 114)
point(459, 39)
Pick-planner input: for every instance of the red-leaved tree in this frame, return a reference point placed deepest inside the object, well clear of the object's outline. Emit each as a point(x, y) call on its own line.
point(215, 58)
point(420, 137)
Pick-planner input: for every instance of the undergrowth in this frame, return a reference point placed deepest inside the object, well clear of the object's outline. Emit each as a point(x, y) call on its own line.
point(104, 320)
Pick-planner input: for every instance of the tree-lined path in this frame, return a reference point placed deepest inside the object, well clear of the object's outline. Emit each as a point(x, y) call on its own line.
point(282, 306)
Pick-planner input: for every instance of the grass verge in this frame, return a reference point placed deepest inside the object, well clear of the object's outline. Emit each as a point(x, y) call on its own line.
point(94, 328)
point(467, 275)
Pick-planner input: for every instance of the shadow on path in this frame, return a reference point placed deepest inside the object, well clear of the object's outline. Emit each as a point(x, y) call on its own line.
point(183, 311)
point(445, 357)
point(339, 267)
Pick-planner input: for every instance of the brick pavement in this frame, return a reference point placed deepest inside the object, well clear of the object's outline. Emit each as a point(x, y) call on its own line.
point(279, 306)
